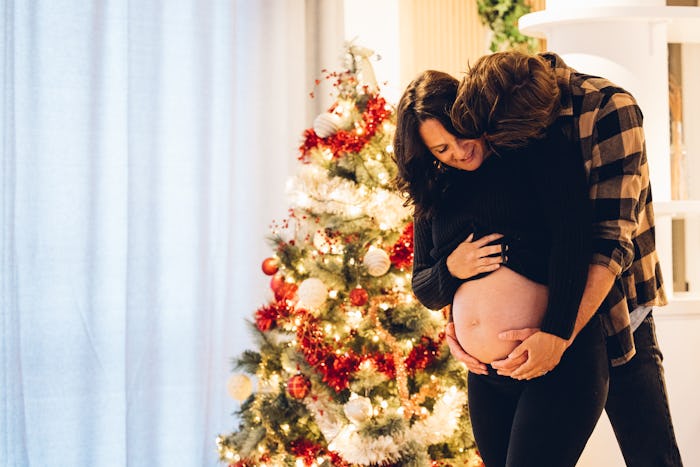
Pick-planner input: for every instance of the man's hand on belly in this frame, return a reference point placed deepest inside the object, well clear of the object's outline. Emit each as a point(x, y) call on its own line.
point(539, 353)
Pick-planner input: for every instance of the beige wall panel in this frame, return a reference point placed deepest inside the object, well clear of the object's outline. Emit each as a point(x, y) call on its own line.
point(439, 34)
point(443, 35)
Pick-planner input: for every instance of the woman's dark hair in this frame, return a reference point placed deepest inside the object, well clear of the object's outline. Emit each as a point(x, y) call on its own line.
point(429, 96)
point(510, 98)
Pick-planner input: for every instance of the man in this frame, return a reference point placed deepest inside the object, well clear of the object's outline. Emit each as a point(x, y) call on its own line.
point(624, 279)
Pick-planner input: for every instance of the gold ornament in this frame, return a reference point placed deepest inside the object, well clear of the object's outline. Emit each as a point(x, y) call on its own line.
point(239, 387)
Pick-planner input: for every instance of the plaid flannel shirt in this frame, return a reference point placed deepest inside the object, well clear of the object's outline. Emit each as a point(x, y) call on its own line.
point(608, 122)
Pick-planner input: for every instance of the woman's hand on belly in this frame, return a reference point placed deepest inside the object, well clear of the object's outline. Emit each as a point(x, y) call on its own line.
point(471, 258)
point(484, 308)
point(473, 364)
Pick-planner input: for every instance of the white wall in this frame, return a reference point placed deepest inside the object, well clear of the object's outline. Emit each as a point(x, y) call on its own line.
point(375, 24)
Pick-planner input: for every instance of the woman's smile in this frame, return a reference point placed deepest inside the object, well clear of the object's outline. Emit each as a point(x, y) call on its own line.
point(459, 153)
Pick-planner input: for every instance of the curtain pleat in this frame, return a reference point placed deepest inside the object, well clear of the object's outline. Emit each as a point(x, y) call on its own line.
point(145, 149)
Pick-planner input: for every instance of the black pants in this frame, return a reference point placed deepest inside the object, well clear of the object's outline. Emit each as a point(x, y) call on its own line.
point(638, 405)
point(546, 421)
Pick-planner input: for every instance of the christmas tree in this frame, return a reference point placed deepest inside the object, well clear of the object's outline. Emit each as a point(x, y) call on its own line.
point(351, 369)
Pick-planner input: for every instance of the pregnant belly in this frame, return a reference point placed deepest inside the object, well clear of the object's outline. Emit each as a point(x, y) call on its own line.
point(501, 301)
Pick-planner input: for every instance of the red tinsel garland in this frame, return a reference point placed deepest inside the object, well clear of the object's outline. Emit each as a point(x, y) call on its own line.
point(402, 252)
point(310, 451)
point(423, 354)
point(352, 140)
point(266, 317)
point(336, 368)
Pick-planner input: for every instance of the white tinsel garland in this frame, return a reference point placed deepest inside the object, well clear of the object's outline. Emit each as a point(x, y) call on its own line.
point(442, 423)
point(314, 190)
point(358, 449)
point(343, 438)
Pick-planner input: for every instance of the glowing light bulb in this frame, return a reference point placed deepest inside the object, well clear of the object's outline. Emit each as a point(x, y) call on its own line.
point(304, 200)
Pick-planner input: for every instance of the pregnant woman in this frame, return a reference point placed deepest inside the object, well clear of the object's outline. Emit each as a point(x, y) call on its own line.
point(503, 235)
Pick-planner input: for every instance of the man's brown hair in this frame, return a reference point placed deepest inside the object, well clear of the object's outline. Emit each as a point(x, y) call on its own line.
point(510, 98)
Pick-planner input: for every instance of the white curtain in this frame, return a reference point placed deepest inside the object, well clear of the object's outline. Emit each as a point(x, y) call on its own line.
point(145, 146)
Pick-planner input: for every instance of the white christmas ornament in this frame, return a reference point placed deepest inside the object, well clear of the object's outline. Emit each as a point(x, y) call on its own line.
point(239, 387)
point(327, 124)
point(312, 293)
point(358, 409)
point(377, 261)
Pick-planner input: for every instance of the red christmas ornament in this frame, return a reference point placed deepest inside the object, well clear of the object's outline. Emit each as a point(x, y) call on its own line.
point(287, 291)
point(283, 290)
point(358, 296)
point(298, 386)
point(270, 266)
point(276, 282)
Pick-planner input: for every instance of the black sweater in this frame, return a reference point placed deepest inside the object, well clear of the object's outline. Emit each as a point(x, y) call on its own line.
point(537, 197)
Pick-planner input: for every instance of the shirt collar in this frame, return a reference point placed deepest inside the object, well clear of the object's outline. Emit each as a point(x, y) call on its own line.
point(563, 73)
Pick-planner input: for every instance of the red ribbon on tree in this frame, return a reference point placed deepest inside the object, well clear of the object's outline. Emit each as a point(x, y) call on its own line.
point(401, 254)
point(352, 140)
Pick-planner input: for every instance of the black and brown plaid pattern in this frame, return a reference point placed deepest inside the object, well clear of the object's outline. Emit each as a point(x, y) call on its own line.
point(608, 122)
